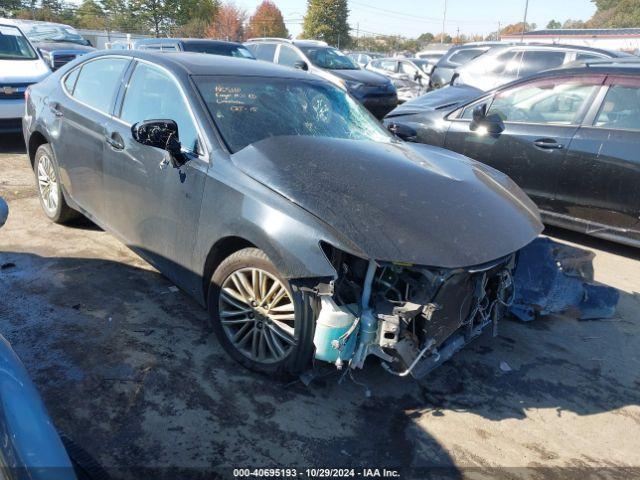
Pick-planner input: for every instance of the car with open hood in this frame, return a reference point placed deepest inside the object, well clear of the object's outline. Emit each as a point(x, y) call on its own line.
point(57, 43)
point(281, 205)
point(20, 66)
point(376, 92)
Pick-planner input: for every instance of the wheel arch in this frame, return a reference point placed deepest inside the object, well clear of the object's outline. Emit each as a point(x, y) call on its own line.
point(36, 139)
point(220, 250)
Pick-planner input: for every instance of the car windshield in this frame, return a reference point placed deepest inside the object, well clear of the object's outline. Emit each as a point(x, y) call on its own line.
point(50, 32)
point(247, 110)
point(330, 58)
point(228, 50)
point(14, 45)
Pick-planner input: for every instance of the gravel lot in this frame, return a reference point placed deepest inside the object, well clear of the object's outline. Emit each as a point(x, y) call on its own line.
point(130, 371)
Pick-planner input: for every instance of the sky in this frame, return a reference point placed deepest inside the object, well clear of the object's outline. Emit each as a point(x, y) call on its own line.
point(411, 18)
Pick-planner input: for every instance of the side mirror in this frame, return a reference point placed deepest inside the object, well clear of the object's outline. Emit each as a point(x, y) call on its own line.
point(403, 132)
point(301, 65)
point(4, 211)
point(479, 113)
point(428, 69)
point(491, 123)
point(161, 134)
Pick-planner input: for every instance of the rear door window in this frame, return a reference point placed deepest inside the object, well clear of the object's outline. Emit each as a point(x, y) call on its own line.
point(585, 57)
point(98, 83)
point(265, 51)
point(463, 56)
point(537, 61)
point(506, 63)
point(621, 106)
point(288, 56)
point(389, 65)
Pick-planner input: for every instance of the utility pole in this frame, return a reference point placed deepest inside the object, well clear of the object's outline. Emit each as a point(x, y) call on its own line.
point(458, 35)
point(358, 36)
point(444, 21)
point(524, 24)
point(499, 31)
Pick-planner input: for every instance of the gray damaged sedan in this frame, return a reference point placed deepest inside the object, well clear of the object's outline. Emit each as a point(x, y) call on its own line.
point(282, 205)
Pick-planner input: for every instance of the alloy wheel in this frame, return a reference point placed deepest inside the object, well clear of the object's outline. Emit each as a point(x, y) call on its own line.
point(48, 184)
point(257, 315)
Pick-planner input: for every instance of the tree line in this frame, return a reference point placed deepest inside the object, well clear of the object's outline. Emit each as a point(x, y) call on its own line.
point(326, 20)
point(184, 18)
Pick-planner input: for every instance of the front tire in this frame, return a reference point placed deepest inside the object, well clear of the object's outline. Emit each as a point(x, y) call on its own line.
point(45, 168)
point(262, 320)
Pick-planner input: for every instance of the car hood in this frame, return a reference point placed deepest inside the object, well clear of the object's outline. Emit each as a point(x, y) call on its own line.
point(363, 76)
point(447, 97)
point(22, 71)
point(398, 201)
point(67, 46)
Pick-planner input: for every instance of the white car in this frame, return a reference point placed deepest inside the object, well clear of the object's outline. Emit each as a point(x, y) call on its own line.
point(20, 66)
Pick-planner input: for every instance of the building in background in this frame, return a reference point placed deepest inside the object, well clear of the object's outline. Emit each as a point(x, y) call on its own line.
point(624, 39)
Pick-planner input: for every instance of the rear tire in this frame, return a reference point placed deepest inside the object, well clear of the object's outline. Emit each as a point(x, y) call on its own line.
point(47, 173)
point(261, 331)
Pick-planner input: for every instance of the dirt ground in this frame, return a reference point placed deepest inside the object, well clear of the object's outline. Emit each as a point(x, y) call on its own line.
point(129, 370)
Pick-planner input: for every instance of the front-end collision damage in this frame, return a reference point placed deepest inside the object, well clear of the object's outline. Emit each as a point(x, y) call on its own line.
point(413, 318)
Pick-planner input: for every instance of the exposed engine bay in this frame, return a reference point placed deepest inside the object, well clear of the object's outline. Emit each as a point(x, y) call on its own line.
point(414, 318)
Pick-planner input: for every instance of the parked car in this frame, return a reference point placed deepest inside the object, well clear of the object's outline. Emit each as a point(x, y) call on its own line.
point(20, 66)
point(31, 447)
point(196, 45)
point(374, 91)
point(569, 137)
point(504, 64)
point(363, 58)
point(278, 202)
point(409, 75)
point(433, 56)
point(57, 43)
point(454, 58)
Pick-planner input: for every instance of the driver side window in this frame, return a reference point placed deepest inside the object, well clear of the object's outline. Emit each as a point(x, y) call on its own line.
point(152, 94)
point(558, 101)
point(288, 56)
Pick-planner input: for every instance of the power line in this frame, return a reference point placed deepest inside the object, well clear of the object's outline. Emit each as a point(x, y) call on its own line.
point(408, 16)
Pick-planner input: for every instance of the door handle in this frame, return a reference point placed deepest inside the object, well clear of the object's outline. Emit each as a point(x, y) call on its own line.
point(115, 141)
point(548, 144)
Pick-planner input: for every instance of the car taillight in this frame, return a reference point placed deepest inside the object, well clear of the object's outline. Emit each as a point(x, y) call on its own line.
point(27, 92)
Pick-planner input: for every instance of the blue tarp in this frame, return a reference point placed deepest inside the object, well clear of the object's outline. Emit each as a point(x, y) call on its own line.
point(551, 277)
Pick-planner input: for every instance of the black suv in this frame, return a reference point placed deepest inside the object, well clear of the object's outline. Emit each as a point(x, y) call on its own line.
point(374, 91)
point(569, 137)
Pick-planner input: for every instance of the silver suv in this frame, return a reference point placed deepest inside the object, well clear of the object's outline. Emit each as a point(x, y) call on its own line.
point(374, 91)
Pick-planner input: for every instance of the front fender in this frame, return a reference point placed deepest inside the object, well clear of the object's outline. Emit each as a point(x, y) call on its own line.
point(290, 236)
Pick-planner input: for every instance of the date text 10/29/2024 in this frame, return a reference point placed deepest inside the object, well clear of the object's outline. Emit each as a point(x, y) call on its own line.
point(315, 473)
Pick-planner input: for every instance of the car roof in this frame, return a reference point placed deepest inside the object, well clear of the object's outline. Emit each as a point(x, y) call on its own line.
point(202, 64)
point(20, 21)
point(554, 46)
point(614, 66)
point(144, 41)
